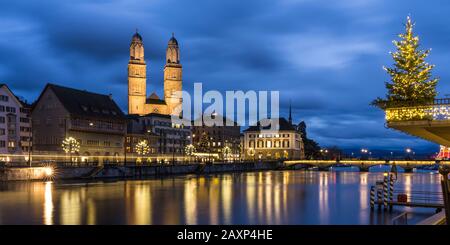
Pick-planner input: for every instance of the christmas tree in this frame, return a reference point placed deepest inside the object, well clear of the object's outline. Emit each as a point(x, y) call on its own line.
point(411, 82)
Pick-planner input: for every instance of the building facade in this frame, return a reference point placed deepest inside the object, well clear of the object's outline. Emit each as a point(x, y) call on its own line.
point(138, 102)
point(218, 137)
point(93, 120)
point(285, 142)
point(168, 140)
point(15, 128)
point(138, 132)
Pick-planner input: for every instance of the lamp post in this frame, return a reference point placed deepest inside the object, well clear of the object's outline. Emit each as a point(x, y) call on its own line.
point(408, 153)
point(363, 152)
point(30, 142)
point(444, 171)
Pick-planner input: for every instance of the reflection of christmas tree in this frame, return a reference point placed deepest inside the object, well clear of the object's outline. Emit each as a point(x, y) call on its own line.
point(411, 80)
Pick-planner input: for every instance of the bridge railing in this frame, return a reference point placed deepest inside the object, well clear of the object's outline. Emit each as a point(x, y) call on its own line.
point(439, 109)
point(368, 162)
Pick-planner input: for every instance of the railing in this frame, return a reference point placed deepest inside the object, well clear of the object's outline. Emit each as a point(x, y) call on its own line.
point(439, 109)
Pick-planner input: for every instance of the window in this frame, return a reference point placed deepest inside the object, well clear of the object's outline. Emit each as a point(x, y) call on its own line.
point(2, 108)
point(24, 120)
point(25, 110)
point(4, 98)
point(11, 144)
point(2, 119)
point(10, 109)
point(2, 131)
point(2, 144)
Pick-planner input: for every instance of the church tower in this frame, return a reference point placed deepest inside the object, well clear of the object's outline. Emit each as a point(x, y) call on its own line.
point(173, 72)
point(137, 77)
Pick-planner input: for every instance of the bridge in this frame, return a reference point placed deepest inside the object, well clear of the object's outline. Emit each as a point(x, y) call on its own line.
point(430, 121)
point(363, 165)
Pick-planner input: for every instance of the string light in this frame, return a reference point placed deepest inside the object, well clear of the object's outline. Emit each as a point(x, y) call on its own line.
point(70, 145)
point(142, 148)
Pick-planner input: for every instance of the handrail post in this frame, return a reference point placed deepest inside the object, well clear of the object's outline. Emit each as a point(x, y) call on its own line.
point(444, 171)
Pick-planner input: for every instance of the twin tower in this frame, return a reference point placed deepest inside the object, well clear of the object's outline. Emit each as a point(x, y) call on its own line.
point(138, 102)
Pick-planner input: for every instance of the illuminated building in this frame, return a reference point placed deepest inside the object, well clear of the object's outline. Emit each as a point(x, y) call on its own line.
point(138, 131)
point(15, 131)
point(284, 142)
point(220, 136)
point(167, 139)
point(138, 103)
point(444, 153)
point(94, 120)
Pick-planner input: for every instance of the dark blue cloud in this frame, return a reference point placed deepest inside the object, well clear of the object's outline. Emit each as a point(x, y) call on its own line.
point(325, 57)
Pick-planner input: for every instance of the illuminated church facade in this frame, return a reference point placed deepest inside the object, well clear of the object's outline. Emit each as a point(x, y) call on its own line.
point(138, 102)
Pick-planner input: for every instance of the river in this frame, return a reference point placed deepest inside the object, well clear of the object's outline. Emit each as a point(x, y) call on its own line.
point(272, 197)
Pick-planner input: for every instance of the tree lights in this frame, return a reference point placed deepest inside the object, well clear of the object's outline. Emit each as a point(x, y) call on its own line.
point(411, 80)
point(251, 152)
point(70, 146)
point(189, 150)
point(142, 148)
point(226, 152)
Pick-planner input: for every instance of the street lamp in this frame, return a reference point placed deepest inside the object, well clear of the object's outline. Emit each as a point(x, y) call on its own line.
point(364, 151)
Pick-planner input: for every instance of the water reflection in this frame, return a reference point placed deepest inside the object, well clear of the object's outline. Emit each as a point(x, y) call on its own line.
point(48, 204)
point(279, 197)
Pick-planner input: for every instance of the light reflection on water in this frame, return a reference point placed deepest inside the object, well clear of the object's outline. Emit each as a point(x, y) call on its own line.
point(279, 197)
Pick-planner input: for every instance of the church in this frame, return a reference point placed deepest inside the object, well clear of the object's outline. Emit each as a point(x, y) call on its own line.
point(138, 102)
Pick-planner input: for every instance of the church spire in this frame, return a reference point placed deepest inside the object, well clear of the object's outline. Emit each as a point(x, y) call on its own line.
point(173, 51)
point(137, 47)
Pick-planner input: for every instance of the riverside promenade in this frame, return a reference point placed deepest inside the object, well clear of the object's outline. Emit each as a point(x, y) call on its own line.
point(133, 171)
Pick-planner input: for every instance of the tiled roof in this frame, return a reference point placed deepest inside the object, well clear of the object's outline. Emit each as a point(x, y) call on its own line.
point(283, 125)
point(84, 103)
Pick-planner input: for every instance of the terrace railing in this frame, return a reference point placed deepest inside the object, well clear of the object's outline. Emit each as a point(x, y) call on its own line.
point(437, 110)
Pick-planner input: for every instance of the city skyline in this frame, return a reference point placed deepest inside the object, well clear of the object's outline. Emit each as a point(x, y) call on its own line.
point(328, 67)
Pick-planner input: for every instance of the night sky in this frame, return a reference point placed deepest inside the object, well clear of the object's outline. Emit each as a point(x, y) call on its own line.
point(325, 56)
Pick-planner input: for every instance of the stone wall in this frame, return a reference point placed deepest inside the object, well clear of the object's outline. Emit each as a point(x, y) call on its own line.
point(16, 174)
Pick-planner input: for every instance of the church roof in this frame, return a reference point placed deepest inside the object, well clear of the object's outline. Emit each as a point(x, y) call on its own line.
point(155, 101)
point(173, 40)
point(154, 96)
point(283, 125)
point(87, 104)
point(136, 37)
point(226, 121)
